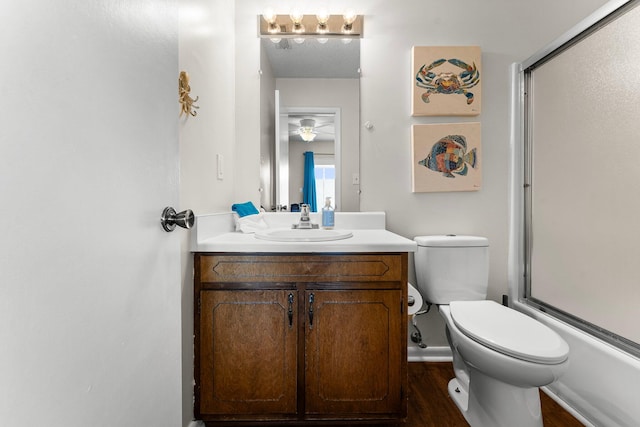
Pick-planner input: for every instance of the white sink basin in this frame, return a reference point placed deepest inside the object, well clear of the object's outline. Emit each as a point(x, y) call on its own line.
point(302, 235)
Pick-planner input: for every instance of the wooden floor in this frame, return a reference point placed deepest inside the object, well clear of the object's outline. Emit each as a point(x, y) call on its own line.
point(431, 406)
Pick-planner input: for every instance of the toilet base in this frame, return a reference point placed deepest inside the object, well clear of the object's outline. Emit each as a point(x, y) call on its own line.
point(492, 403)
point(459, 395)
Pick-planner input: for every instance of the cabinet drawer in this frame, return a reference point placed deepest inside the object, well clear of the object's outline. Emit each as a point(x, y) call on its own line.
point(300, 268)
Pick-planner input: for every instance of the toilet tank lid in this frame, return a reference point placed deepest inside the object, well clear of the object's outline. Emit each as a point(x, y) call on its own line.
point(451, 240)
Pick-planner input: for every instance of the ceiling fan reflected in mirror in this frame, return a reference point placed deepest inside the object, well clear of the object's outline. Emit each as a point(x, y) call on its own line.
point(311, 128)
point(306, 130)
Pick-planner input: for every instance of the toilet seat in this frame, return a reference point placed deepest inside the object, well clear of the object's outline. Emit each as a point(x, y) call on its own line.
point(508, 331)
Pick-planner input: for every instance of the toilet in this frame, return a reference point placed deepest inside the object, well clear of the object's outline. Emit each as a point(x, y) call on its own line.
point(500, 356)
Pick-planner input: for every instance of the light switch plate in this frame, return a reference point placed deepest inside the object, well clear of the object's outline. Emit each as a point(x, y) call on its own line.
point(220, 165)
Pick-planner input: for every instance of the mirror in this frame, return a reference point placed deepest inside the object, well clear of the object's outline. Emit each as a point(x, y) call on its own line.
point(319, 82)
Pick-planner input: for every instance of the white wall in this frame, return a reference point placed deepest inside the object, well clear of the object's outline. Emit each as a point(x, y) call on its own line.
point(89, 281)
point(207, 53)
point(247, 103)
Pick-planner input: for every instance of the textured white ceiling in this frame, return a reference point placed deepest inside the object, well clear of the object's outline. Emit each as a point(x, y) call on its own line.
point(312, 59)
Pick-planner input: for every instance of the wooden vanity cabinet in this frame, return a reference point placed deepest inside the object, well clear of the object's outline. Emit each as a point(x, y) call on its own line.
point(300, 338)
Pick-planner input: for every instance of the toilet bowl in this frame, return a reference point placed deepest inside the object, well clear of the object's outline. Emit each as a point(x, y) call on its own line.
point(500, 356)
point(497, 383)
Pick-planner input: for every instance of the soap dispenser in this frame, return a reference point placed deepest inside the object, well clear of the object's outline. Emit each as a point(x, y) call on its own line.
point(328, 215)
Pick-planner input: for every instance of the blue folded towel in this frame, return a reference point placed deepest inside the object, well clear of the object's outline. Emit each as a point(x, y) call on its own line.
point(244, 209)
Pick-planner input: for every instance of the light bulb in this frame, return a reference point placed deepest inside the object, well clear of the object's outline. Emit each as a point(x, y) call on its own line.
point(323, 26)
point(269, 16)
point(296, 17)
point(323, 18)
point(349, 19)
point(273, 28)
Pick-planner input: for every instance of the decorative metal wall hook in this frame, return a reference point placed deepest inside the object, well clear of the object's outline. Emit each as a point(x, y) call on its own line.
point(186, 102)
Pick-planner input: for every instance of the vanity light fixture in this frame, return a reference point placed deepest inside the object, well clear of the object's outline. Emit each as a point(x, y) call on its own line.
point(300, 27)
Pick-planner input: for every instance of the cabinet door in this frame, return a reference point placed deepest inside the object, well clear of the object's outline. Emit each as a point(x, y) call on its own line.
point(354, 352)
point(248, 352)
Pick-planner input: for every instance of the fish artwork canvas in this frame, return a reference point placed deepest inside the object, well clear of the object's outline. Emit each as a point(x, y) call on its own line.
point(446, 157)
point(447, 81)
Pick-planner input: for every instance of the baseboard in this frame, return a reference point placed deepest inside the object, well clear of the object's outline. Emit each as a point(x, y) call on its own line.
point(429, 354)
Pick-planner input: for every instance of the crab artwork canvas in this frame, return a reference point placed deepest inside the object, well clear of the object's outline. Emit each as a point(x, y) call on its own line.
point(446, 157)
point(447, 80)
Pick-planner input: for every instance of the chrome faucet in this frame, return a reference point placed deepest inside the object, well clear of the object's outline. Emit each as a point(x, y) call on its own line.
point(304, 213)
point(305, 220)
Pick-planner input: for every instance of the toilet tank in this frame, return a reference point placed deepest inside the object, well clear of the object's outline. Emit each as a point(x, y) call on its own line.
point(452, 268)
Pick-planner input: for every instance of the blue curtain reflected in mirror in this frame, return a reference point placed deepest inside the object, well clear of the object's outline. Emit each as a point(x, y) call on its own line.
point(309, 187)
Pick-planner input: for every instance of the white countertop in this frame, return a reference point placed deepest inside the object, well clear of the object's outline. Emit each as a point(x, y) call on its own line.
point(362, 241)
point(214, 233)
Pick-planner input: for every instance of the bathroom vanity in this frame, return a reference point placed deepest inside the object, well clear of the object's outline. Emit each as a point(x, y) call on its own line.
point(301, 332)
